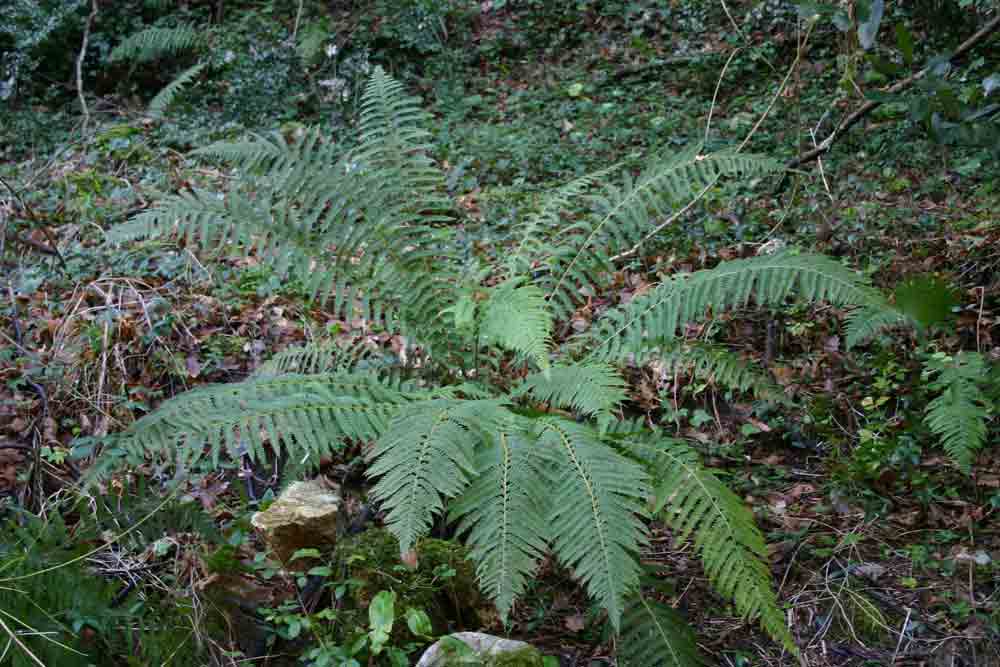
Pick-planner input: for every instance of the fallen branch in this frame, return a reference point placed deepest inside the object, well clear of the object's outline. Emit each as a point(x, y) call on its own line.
point(852, 119)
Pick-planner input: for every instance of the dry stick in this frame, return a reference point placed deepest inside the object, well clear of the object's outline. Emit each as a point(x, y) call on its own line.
point(79, 64)
point(51, 249)
point(781, 89)
point(298, 18)
point(17, 640)
point(850, 120)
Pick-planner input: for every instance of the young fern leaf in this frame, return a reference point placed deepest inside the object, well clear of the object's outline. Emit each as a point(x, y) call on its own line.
point(700, 508)
point(593, 389)
point(654, 635)
point(517, 318)
point(307, 414)
point(958, 415)
point(425, 458)
point(597, 508)
point(154, 43)
point(661, 313)
point(166, 97)
point(504, 514)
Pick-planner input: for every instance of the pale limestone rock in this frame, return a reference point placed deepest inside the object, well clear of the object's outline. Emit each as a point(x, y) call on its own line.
point(483, 651)
point(306, 515)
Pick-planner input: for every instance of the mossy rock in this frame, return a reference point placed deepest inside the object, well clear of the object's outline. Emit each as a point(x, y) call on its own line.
point(443, 584)
point(475, 648)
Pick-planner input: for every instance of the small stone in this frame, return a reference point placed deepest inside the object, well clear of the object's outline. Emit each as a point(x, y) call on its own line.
point(306, 515)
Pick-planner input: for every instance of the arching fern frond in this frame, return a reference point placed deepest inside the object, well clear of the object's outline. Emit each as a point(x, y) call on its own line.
point(718, 365)
point(306, 414)
point(504, 513)
point(536, 232)
point(654, 635)
point(517, 318)
point(770, 280)
point(700, 508)
point(154, 43)
point(597, 502)
point(425, 458)
point(169, 93)
point(958, 415)
point(360, 227)
point(624, 214)
point(590, 389)
point(324, 357)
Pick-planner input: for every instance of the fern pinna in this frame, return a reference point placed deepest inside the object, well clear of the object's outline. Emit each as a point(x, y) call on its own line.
point(362, 229)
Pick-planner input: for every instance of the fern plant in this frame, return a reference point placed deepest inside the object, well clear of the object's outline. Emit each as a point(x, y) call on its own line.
point(961, 408)
point(155, 43)
point(959, 413)
point(535, 464)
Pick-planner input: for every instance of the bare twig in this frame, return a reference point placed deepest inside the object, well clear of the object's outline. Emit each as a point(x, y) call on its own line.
point(52, 248)
point(79, 64)
point(298, 19)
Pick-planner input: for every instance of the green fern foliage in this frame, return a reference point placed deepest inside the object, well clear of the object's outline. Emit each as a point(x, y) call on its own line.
point(623, 215)
point(864, 324)
point(307, 414)
point(426, 458)
point(959, 414)
point(154, 43)
point(700, 508)
point(592, 389)
point(517, 318)
point(503, 515)
point(655, 635)
point(596, 512)
point(169, 93)
point(367, 231)
point(359, 226)
point(716, 364)
point(660, 314)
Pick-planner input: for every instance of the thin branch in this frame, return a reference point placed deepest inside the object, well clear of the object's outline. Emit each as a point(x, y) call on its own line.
point(52, 248)
point(79, 64)
point(852, 119)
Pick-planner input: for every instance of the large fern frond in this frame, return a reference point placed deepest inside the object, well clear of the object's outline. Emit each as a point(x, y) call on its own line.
point(958, 415)
point(360, 226)
point(169, 93)
point(589, 389)
point(699, 507)
point(597, 505)
point(517, 318)
point(660, 314)
point(654, 635)
point(153, 43)
point(623, 215)
point(426, 457)
point(504, 513)
point(305, 414)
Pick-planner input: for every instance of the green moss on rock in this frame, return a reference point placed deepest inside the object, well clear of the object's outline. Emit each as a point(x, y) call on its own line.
point(443, 585)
